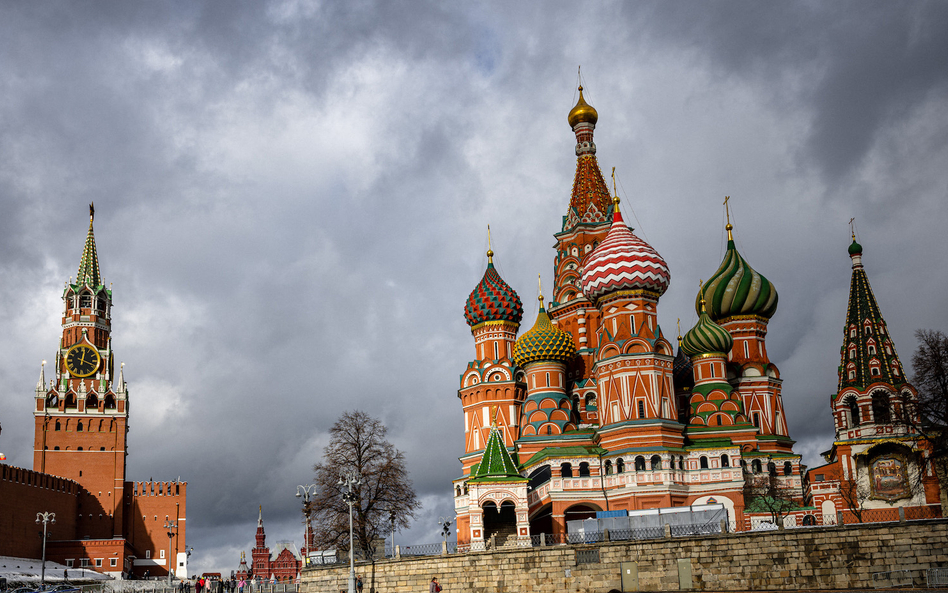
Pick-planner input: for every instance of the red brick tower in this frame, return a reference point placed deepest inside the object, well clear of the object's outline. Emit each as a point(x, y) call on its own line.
point(260, 554)
point(81, 418)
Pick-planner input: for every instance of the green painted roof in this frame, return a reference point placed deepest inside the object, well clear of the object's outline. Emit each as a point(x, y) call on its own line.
point(496, 463)
point(89, 264)
point(737, 289)
point(548, 452)
point(706, 337)
point(869, 346)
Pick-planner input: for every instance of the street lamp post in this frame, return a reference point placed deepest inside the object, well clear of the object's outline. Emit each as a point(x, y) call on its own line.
point(445, 528)
point(392, 517)
point(44, 518)
point(306, 493)
point(170, 526)
point(349, 481)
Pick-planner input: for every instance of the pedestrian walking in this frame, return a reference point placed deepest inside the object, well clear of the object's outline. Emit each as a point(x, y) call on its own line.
point(359, 583)
point(434, 587)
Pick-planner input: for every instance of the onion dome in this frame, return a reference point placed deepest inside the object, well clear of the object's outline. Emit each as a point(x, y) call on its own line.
point(855, 248)
point(492, 299)
point(583, 112)
point(736, 288)
point(706, 337)
point(623, 262)
point(544, 342)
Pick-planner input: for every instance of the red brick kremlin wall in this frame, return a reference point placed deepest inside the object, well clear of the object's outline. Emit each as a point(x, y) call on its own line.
point(23, 493)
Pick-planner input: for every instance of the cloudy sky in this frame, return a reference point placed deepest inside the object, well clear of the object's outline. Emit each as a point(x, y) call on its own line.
point(292, 201)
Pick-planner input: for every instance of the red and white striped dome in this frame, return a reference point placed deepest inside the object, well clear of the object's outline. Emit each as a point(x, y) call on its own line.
point(623, 262)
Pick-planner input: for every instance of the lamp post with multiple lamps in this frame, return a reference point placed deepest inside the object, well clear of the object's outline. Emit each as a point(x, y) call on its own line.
point(306, 493)
point(445, 528)
point(45, 519)
point(170, 526)
point(349, 481)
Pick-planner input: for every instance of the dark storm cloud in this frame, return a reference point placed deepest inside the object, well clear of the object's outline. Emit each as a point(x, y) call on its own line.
point(292, 201)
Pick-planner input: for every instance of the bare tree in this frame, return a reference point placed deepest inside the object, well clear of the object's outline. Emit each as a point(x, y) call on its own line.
point(357, 444)
point(855, 494)
point(927, 415)
point(767, 493)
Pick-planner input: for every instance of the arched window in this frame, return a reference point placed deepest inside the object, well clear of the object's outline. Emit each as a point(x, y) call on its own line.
point(79, 426)
point(110, 402)
point(58, 427)
point(853, 411)
point(681, 462)
point(655, 462)
point(639, 463)
point(620, 466)
point(92, 403)
point(756, 419)
point(608, 467)
point(566, 470)
point(641, 409)
point(772, 468)
point(787, 468)
point(756, 466)
point(583, 470)
point(725, 462)
point(703, 463)
point(880, 408)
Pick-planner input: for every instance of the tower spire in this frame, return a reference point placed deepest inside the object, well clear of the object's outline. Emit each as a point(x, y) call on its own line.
point(89, 263)
point(41, 384)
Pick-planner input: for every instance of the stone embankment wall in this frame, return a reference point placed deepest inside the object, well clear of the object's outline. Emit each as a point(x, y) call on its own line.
point(824, 558)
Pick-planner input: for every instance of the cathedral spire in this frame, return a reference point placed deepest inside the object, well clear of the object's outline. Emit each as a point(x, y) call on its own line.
point(590, 201)
point(89, 264)
point(868, 355)
point(41, 384)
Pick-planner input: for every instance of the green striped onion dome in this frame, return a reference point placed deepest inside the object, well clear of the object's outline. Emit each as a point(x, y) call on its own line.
point(492, 300)
point(706, 337)
point(544, 342)
point(737, 289)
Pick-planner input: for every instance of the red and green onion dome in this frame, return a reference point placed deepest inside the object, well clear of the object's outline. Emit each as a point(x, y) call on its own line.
point(706, 337)
point(582, 112)
point(493, 299)
point(544, 342)
point(737, 289)
point(623, 262)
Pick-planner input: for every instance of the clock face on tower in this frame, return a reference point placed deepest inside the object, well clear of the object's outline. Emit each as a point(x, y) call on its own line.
point(82, 360)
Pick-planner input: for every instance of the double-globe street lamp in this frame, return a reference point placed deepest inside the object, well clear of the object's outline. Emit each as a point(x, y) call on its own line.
point(170, 526)
point(349, 481)
point(306, 493)
point(445, 528)
point(44, 518)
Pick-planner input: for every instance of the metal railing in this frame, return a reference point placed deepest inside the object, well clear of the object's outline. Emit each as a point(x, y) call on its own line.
point(937, 577)
point(892, 578)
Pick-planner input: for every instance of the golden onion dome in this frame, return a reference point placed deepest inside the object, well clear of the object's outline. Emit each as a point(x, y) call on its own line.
point(544, 343)
point(583, 112)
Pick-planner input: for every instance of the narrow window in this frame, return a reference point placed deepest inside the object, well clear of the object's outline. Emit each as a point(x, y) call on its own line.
point(724, 461)
point(704, 462)
point(566, 470)
point(584, 470)
point(620, 466)
point(757, 419)
point(787, 468)
point(639, 464)
point(641, 409)
point(655, 462)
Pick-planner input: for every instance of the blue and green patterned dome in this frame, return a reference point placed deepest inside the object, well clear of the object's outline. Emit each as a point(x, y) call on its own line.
point(544, 342)
point(706, 337)
point(737, 289)
point(492, 299)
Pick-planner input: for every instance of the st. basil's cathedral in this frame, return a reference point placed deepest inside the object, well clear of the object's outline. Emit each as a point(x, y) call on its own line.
point(593, 409)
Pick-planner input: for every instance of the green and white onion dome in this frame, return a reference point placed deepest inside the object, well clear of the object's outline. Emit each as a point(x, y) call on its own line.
point(737, 289)
point(706, 337)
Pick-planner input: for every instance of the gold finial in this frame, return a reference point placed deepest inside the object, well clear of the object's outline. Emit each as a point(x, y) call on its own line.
point(852, 228)
point(701, 292)
point(679, 332)
point(91, 211)
point(493, 414)
point(540, 289)
point(490, 252)
point(727, 212)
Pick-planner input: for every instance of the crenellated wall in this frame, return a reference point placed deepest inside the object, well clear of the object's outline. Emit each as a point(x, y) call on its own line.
point(23, 493)
point(150, 504)
point(821, 558)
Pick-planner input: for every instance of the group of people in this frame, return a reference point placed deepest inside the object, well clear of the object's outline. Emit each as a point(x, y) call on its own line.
point(205, 585)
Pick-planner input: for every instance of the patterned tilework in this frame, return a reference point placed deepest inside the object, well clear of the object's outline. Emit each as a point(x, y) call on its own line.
point(867, 347)
point(493, 300)
point(706, 337)
point(544, 341)
point(623, 262)
point(590, 202)
point(737, 289)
